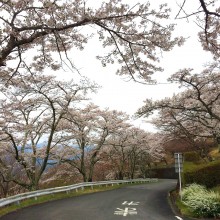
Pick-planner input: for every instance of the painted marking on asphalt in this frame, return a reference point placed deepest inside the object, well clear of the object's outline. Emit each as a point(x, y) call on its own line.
point(130, 203)
point(178, 218)
point(126, 211)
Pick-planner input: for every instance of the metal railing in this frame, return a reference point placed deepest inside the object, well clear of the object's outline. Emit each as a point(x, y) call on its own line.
point(67, 189)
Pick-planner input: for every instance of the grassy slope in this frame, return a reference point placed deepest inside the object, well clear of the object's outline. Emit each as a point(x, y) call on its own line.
point(186, 211)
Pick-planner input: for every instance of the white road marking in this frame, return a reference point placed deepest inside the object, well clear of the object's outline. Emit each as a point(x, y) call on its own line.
point(178, 218)
point(126, 211)
point(130, 203)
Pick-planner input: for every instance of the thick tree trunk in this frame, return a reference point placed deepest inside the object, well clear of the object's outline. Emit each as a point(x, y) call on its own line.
point(4, 189)
point(120, 175)
point(84, 177)
point(91, 171)
point(90, 179)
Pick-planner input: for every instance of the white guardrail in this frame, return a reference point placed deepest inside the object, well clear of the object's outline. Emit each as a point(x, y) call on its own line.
point(67, 189)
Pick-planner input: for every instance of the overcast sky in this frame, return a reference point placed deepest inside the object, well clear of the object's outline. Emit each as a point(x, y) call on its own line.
point(117, 93)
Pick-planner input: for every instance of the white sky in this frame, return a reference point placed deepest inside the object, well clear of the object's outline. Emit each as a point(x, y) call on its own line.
point(128, 96)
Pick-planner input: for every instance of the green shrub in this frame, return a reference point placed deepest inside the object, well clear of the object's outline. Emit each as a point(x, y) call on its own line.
point(191, 156)
point(203, 174)
point(203, 202)
point(192, 190)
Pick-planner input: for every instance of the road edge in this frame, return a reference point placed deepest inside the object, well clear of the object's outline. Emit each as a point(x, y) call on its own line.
point(172, 203)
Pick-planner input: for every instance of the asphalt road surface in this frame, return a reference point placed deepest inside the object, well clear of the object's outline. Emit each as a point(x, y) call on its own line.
point(145, 202)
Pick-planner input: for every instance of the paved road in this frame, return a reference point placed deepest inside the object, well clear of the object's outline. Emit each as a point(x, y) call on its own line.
point(145, 202)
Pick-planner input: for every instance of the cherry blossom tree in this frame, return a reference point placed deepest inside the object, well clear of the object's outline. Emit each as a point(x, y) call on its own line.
point(207, 18)
point(30, 114)
point(87, 131)
point(152, 153)
point(138, 145)
point(117, 152)
point(131, 150)
point(202, 97)
point(193, 112)
point(133, 33)
point(176, 124)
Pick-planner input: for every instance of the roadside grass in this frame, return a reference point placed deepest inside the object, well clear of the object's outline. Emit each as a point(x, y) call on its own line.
point(185, 210)
point(57, 196)
point(216, 189)
point(178, 206)
point(214, 153)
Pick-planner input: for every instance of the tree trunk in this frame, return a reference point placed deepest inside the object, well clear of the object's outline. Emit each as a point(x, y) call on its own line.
point(90, 179)
point(34, 186)
point(120, 175)
point(84, 177)
point(91, 171)
point(4, 188)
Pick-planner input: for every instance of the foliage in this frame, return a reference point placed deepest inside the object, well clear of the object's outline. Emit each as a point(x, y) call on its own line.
point(32, 110)
point(191, 156)
point(37, 107)
point(132, 149)
point(216, 189)
point(203, 202)
point(45, 122)
point(133, 34)
point(215, 154)
point(88, 130)
point(192, 189)
point(184, 209)
point(194, 113)
point(207, 174)
point(207, 17)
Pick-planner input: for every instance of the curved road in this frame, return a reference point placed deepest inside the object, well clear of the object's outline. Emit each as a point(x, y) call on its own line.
point(145, 202)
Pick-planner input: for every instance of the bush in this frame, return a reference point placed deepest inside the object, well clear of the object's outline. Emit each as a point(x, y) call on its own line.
point(203, 174)
point(203, 202)
point(193, 189)
point(191, 156)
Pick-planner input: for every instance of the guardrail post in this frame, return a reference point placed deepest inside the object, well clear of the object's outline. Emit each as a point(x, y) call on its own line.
point(91, 186)
point(82, 188)
point(76, 190)
point(35, 198)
